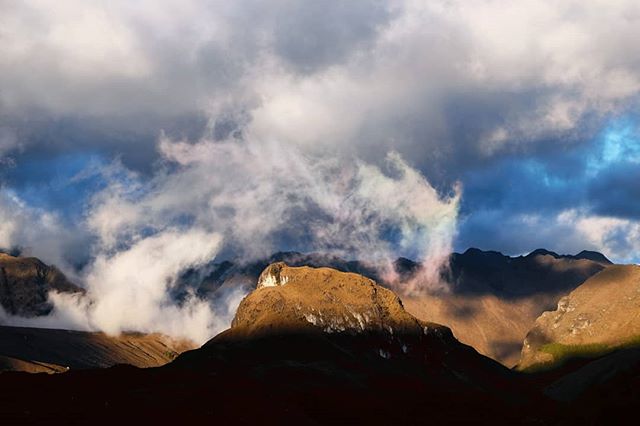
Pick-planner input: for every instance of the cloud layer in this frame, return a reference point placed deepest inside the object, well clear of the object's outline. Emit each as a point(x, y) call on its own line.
point(347, 127)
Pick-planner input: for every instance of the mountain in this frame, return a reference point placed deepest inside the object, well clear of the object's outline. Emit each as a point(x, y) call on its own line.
point(25, 283)
point(586, 353)
point(480, 272)
point(601, 314)
point(307, 346)
point(492, 302)
point(47, 350)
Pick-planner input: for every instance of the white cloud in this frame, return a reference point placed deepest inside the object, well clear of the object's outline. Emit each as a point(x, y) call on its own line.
point(259, 195)
point(35, 231)
point(129, 289)
point(319, 100)
point(371, 76)
point(616, 237)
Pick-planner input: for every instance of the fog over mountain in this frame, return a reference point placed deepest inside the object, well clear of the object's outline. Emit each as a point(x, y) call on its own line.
point(141, 140)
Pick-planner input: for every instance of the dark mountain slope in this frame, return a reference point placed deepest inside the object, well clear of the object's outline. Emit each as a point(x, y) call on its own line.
point(25, 283)
point(47, 350)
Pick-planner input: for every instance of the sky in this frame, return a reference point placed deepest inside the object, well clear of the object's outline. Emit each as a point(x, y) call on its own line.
point(368, 129)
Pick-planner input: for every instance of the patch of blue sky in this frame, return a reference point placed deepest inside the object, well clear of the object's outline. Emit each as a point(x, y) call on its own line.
point(618, 143)
point(59, 183)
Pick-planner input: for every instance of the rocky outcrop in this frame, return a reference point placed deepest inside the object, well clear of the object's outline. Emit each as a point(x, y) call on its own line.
point(600, 315)
point(304, 316)
point(25, 283)
point(304, 298)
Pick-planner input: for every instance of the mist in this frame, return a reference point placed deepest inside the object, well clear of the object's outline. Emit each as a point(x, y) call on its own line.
point(247, 199)
point(236, 129)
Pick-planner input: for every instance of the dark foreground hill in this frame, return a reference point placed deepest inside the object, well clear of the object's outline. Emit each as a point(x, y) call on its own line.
point(310, 346)
point(318, 346)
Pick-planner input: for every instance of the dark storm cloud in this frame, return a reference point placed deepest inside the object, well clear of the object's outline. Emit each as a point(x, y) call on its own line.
point(312, 36)
point(617, 192)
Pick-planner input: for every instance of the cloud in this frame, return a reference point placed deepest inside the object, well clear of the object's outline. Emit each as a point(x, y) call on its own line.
point(246, 199)
point(129, 289)
point(262, 196)
point(619, 238)
point(288, 126)
point(448, 83)
point(38, 232)
point(515, 205)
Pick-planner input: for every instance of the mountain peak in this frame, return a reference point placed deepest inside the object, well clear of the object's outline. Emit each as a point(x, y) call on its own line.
point(320, 299)
point(594, 256)
point(543, 252)
point(272, 276)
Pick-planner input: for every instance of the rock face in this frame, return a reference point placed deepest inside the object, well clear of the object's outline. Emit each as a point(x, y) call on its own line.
point(304, 298)
point(601, 314)
point(25, 283)
point(318, 335)
point(311, 316)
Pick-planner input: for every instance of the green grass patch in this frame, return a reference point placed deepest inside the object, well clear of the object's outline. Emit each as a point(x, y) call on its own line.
point(562, 353)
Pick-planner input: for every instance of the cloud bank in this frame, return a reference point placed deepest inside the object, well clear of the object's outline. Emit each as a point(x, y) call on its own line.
point(248, 198)
point(345, 127)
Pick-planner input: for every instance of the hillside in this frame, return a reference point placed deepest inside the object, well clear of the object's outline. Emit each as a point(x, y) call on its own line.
point(25, 283)
point(495, 299)
point(47, 350)
point(601, 314)
point(492, 303)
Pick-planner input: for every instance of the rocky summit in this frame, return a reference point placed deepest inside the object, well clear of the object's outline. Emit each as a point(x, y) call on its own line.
point(322, 299)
